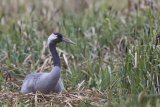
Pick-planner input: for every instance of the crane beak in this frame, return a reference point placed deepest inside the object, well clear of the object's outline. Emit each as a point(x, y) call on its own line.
point(68, 41)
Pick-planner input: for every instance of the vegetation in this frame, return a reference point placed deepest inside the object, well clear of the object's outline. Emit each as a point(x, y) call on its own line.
point(114, 63)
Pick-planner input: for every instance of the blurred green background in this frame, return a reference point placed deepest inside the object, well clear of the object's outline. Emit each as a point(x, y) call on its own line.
point(115, 51)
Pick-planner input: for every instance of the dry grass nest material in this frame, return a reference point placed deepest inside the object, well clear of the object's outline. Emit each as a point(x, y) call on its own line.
point(89, 96)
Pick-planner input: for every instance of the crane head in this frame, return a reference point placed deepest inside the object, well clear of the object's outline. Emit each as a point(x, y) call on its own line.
point(57, 37)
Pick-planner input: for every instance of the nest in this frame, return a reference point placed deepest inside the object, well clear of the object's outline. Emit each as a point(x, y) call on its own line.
point(85, 96)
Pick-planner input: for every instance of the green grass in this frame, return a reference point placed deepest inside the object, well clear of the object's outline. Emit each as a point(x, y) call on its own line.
point(114, 53)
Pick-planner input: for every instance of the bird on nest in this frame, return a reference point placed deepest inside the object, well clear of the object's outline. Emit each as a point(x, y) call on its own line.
point(47, 82)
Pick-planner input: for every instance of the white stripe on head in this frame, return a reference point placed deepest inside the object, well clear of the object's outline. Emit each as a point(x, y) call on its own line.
point(51, 38)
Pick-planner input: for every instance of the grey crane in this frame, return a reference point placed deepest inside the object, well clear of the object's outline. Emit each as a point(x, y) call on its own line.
point(51, 81)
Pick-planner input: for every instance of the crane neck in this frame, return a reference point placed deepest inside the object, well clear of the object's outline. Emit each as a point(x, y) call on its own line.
point(55, 56)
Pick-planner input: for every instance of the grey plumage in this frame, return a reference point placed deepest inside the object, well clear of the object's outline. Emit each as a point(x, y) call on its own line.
point(47, 82)
point(43, 82)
